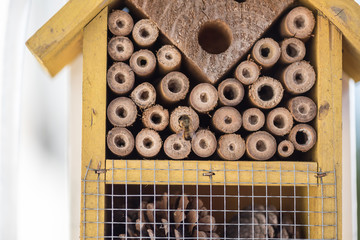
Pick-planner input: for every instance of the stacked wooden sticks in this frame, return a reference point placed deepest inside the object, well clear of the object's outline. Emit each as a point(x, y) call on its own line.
point(166, 217)
point(260, 111)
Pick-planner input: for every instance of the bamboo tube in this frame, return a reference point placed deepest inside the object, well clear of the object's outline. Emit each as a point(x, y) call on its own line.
point(203, 97)
point(204, 143)
point(120, 48)
point(260, 145)
point(148, 142)
point(156, 117)
point(145, 33)
point(227, 120)
point(247, 72)
point(279, 121)
point(176, 147)
point(120, 23)
point(231, 92)
point(231, 147)
point(303, 136)
point(285, 149)
point(298, 77)
point(144, 95)
point(120, 78)
point(303, 109)
point(120, 141)
point(143, 63)
point(169, 59)
point(292, 50)
point(179, 114)
point(122, 112)
point(299, 23)
point(266, 52)
point(266, 92)
point(174, 87)
point(253, 119)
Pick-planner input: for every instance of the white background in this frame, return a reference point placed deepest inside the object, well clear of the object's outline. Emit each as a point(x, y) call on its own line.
point(40, 127)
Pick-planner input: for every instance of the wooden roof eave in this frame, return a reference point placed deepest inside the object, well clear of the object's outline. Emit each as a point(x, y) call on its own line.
point(59, 40)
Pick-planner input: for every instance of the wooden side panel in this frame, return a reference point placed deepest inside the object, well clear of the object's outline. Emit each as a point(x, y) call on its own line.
point(59, 40)
point(94, 126)
point(327, 58)
point(345, 14)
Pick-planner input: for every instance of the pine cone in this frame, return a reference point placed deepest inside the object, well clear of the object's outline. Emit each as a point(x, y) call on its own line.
point(184, 219)
point(254, 224)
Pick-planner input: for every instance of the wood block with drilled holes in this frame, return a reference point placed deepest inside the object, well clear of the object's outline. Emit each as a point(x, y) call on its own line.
point(213, 35)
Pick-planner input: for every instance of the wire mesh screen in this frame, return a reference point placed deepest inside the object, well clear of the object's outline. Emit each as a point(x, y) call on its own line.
point(183, 200)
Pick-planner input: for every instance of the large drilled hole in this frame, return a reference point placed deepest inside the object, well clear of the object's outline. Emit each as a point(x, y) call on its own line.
point(120, 78)
point(228, 120)
point(119, 142)
point(265, 52)
point(156, 118)
point(299, 78)
point(215, 37)
point(141, 62)
point(292, 50)
point(246, 73)
point(301, 137)
point(144, 33)
point(176, 146)
point(144, 95)
point(261, 146)
point(253, 119)
point(121, 112)
point(279, 121)
point(299, 22)
point(204, 97)
point(120, 24)
point(120, 48)
point(265, 93)
point(174, 85)
point(148, 143)
point(203, 144)
point(229, 93)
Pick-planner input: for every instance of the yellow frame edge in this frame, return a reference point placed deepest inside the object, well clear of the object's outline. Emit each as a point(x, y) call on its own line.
point(94, 125)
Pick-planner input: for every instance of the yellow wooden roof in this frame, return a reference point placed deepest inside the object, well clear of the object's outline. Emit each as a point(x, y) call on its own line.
point(59, 40)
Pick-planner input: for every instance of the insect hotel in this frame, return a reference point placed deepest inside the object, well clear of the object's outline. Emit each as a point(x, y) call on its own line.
point(208, 119)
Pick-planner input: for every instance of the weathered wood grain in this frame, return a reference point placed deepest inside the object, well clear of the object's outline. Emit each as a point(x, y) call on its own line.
point(181, 20)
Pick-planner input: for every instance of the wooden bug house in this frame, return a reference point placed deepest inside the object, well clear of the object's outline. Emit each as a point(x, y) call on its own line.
point(191, 127)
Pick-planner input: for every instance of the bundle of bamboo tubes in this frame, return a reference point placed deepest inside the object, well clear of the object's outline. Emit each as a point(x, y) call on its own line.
point(156, 110)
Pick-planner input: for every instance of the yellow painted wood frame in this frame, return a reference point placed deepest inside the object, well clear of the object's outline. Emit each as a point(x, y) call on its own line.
point(94, 126)
point(326, 56)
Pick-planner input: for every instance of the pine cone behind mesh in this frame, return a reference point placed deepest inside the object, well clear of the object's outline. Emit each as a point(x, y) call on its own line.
point(184, 217)
point(253, 224)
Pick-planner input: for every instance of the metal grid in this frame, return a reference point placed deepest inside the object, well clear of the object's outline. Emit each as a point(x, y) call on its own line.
point(312, 204)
